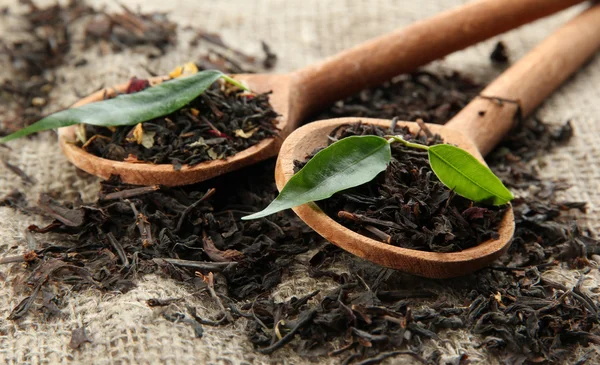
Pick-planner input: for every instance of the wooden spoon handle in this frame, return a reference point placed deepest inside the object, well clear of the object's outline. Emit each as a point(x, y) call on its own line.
point(405, 49)
point(528, 82)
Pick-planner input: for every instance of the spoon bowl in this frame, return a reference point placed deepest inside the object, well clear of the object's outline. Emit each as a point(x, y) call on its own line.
point(429, 264)
point(164, 174)
point(298, 94)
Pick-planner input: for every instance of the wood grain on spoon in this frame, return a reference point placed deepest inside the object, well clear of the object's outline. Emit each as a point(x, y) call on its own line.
point(477, 129)
point(298, 94)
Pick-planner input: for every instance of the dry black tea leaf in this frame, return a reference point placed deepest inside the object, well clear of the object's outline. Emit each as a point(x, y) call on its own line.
point(499, 54)
point(72, 217)
point(78, 338)
point(17, 171)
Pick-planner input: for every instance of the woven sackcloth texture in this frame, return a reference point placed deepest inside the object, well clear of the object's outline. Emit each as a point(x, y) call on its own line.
point(122, 328)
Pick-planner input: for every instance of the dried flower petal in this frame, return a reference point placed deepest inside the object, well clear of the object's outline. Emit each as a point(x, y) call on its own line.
point(148, 139)
point(80, 133)
point(135, 135)
point(242, 134)
point(136, 85)
point(132, 159)
point(212, 154)
point(189, 68)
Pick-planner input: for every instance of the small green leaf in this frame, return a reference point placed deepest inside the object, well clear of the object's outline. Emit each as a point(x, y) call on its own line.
point(130, 109)
point(349, 162)
point(463, 173)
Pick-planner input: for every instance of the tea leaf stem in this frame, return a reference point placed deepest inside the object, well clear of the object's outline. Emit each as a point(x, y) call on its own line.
point(406, 143)
point(234, 82)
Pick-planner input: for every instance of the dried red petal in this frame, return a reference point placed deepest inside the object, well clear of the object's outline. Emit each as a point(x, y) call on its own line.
point(136, 85)
point(218, 134)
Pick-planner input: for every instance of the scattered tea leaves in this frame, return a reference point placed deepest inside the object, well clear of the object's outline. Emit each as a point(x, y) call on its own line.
point(49, 30)
point(46, 43)
point(128, 28)
point(44, 36)
point(223, 57)
point(432, 97)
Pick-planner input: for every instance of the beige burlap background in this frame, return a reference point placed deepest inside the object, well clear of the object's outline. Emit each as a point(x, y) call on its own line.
point(123, 329)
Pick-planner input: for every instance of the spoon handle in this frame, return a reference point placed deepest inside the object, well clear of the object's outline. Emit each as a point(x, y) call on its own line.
point(405, 49)
point(529, 81)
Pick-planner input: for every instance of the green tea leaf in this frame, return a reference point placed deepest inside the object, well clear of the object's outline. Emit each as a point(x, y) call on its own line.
point(349, 162)
point(463, 173)
point(130, 109)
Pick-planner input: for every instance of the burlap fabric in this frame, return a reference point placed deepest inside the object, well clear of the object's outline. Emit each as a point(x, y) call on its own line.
point(123, 329)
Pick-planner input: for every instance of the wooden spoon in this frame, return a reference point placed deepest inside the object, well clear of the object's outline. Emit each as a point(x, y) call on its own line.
point(477, 129)
point(300, 93)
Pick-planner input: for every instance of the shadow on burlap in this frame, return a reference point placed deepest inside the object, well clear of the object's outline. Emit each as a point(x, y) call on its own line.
point(123, 329)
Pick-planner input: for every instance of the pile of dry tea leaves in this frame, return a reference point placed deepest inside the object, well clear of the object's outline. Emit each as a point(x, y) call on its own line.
point(407, 205)
point(225, 58)
point(193, 234)
point(220, 122)
point(178, 231)
point(420, 95)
